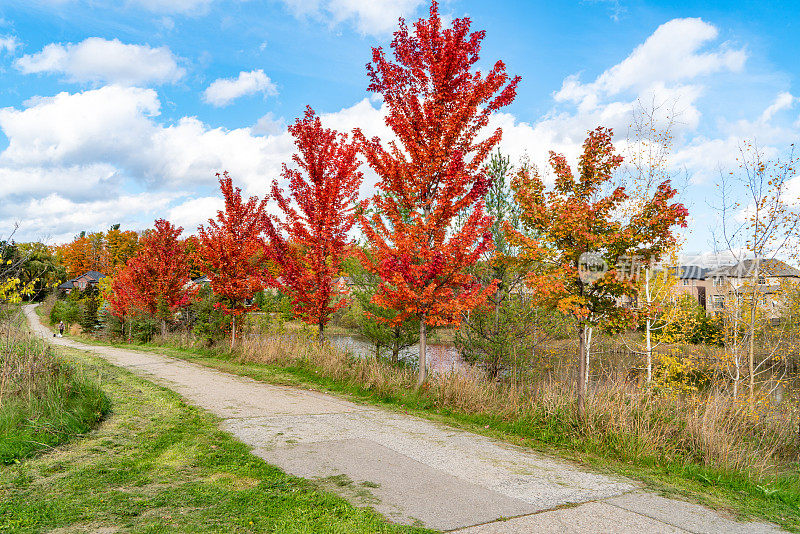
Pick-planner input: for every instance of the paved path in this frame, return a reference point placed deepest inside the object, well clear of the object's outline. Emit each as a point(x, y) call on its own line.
point(413, 470)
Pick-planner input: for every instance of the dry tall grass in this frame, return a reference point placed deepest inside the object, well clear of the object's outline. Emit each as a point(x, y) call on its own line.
point(25, 362)
point(623, 418)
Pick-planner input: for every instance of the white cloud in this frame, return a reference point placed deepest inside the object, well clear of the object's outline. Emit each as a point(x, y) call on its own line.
point(99, 60)
point(375, 17)
point(56, 219)
point(77, 149)
point(369, 17)
point(115, 133)
point(674, 68)
point(673, 53)
point(102, 125)
point(91, 181)
point(118, 126)
point(268, 125)
point(372, 18)
point(194, 212)
point(784, 100)
point(167, 23)
point(705, 155)
point(8, 43)
point(223, 91)
point(565, 131)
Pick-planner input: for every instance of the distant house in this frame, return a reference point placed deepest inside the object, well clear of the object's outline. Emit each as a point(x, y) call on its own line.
point(200, 281)
point(737, 281)
point(344, 284)
point(86, 280)
point(692, 281)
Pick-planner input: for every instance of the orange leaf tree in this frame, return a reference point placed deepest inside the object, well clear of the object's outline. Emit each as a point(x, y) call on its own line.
point(120, 246)
point(232, 248)
point(308, 244)
point(156, 277)
point(98, 251)
point(579, 217)
point(78, 256)
point(437, 107)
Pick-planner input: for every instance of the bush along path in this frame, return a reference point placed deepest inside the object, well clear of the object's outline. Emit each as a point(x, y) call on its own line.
point(412, 470)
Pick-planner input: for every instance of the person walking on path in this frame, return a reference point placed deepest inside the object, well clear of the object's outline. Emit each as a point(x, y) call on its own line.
point(60, 328)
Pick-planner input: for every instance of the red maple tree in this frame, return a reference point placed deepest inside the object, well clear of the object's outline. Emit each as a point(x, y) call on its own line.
point(155, 279)
point(308, 243)
point(232, 249)
point(437, 107)
point(123, 299)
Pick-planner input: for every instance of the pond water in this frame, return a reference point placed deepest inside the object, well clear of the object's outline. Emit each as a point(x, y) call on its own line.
point(441, 358)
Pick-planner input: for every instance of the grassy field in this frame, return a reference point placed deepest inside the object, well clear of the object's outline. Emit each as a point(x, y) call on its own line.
point(767, 492)
point(156, 464)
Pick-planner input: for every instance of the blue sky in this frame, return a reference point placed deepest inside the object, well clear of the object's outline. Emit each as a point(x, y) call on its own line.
point(123, 111)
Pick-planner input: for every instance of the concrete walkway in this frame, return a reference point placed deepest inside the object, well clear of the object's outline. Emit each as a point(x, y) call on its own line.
point(412, 470)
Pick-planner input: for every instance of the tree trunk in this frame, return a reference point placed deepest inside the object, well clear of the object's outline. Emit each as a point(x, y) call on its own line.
point(163, 328)
point(581, 374)
point(737, 375)
point(649, 354)
point(649, 326)
point(233, 331)
point(423, 353)
point(321, 333)
point(752, 329)
point(588, 350)
point(395, 345)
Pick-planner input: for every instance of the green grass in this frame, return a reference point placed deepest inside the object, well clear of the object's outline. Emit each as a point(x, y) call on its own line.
point(158, 465)
point(69, 407)
point(44, 401)
point(775, 497)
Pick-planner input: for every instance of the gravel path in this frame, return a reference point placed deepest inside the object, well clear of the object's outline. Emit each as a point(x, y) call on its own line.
point(412, 470)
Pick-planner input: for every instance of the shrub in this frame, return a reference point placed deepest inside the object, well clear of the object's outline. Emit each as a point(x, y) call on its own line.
point(208, 322)
point(68, 311)
point(90, 304)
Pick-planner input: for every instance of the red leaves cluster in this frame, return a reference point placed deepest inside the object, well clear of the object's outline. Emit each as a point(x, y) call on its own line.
point(232, 248)
point(154, 281)
point(437, 107)
point(309, 242)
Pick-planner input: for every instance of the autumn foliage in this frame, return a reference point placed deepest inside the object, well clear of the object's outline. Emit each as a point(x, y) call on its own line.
point(98, 251)
point(580, 216)
point(155, 280)
point(232, 248)
point(123, 297)
point(309, 241)
point(437, 108)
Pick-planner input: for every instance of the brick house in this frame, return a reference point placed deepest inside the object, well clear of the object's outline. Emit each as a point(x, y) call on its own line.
point(692, 281)
point(86, 280)
point(736, 281)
